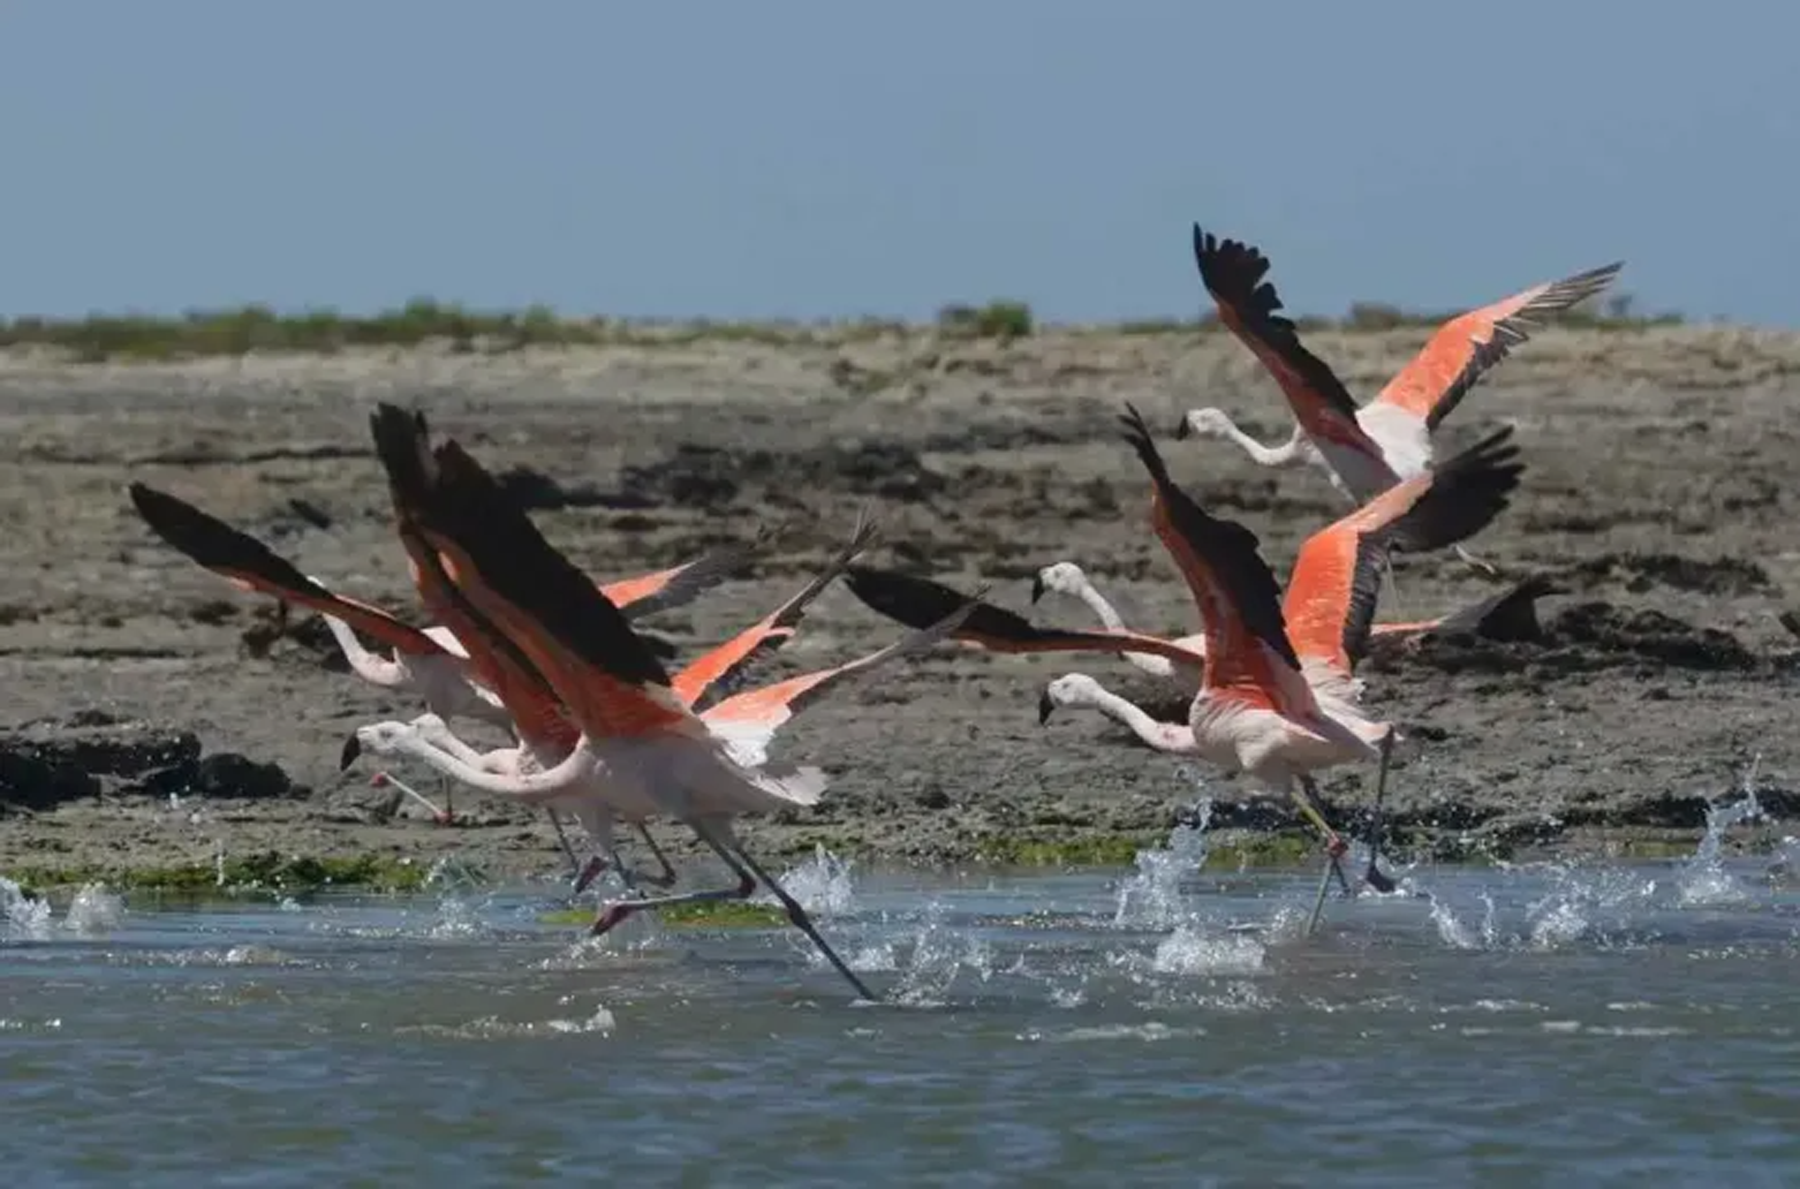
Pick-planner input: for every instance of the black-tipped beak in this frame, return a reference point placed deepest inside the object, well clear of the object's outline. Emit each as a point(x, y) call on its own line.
point(1045, 706)
point(352, 750)
point(1181, 429)
point(1037, 588)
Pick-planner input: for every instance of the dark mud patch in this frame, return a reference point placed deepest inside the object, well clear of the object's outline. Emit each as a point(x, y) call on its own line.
point(1642, 572)
point(1585, 638)
point(92, 754)
point(712, 478)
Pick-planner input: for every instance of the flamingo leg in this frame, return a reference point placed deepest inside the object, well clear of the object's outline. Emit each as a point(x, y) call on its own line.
point(746, 866)
point(1318, 908)
point(562, 840)
point(615, 913)
point(1484, 568)
point(1374, 876)
point(1334, 846)
point(442, 816)
point(667, 878)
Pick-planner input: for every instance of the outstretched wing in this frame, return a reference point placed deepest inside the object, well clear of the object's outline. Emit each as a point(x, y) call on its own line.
point(1464, 349)
point(1330, 603)
point(919, 603)
point(1233, 273)
point(250, 565)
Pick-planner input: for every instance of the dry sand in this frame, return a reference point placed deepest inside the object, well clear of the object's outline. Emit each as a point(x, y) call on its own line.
point(1659, 487)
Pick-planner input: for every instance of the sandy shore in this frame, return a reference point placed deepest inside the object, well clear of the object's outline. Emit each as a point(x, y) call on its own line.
point(1659, 489)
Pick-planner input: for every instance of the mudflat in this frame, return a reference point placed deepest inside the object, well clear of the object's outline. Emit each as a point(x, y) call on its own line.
point(154, 717)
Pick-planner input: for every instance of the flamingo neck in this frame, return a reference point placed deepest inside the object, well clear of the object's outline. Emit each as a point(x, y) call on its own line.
point(376, 670)
point(1162, 736)
point(1286, 454)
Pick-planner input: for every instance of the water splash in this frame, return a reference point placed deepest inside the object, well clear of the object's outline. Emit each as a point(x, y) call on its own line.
point(22, 917)
point(1151, 897)
point(822, 885)
point(1703, 879)
point(939, 955)
point(94, 910)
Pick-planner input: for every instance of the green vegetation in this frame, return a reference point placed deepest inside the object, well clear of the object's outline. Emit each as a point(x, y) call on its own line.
point(256, 328)
point(268, 871)
point(716, 914)
point(1227, 850)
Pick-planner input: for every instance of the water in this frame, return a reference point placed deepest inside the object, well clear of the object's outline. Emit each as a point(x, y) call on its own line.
point(1170, 1025)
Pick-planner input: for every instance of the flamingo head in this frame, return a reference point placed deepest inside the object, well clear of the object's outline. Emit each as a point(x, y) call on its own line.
point(1071, 689)
point(382, 739)
point(1064, 577)
point(1206, 423)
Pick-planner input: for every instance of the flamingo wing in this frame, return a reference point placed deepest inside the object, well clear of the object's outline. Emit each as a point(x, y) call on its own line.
point(712, 675)
point(250, 565)
point(1247, 648)
point(1464, 349)
point(492, 552)
point(919, 602)
point(1233, 273)
point(1331, 595)
point(499, 663)
point(750, 719)
point(647, 594)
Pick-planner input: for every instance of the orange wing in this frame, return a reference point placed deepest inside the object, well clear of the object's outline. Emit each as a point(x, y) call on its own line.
point(250, 565)
point(647, 594)
point(1330, 603)
point(711, 674)
point(540, 718)
point(1465, 348)
point(1249, 307)
point(1247, 648)
point(494, 555)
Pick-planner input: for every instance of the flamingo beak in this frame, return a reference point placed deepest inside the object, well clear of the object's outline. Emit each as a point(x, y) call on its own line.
point(1045, 707)
point(1182, 429)
point(1038, 588)
point(352, 750)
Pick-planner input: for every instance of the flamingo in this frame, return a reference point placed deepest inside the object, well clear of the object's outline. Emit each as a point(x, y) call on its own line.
point(1277, 698)
point(657, 755)
point(1506, 613)
point(700, 686)
point(430, 662)
point(1365, 450)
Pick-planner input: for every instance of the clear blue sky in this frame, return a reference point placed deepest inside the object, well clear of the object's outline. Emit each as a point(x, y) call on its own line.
point(814, 158)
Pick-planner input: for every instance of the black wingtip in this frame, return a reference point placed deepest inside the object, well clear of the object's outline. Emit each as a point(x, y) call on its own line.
point(1037, 588)
point(1046, 706)
point(352, 751)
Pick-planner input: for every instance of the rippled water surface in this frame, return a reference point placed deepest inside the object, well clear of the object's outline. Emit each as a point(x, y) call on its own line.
point(1169, 1025)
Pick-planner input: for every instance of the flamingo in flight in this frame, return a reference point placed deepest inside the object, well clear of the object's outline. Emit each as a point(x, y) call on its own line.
point(1365, 450)
point(1511, 612)
point(431, 662)
point(1277, 698)
point(657, 754)
point(703, 685)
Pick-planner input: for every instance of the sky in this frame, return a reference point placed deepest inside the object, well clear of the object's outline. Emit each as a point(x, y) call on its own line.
point(823, 159)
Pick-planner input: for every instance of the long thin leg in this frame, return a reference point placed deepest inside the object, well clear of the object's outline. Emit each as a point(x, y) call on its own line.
point(1484, 568)
point(795, 913)
point(1373, 875)
point(616, 912)
point(562, 840)
point(441, 816)
point(1334, 846)
point(667, 878)
point(1318, 909)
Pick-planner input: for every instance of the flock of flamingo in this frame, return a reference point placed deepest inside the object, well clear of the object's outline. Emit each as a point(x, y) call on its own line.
point(605, 732)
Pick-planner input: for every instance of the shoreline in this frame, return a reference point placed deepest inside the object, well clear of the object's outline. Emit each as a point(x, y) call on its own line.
point(1660, 675)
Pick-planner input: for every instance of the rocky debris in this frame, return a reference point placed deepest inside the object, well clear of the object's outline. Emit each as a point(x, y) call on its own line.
point(91, 754)
point(712, 478)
